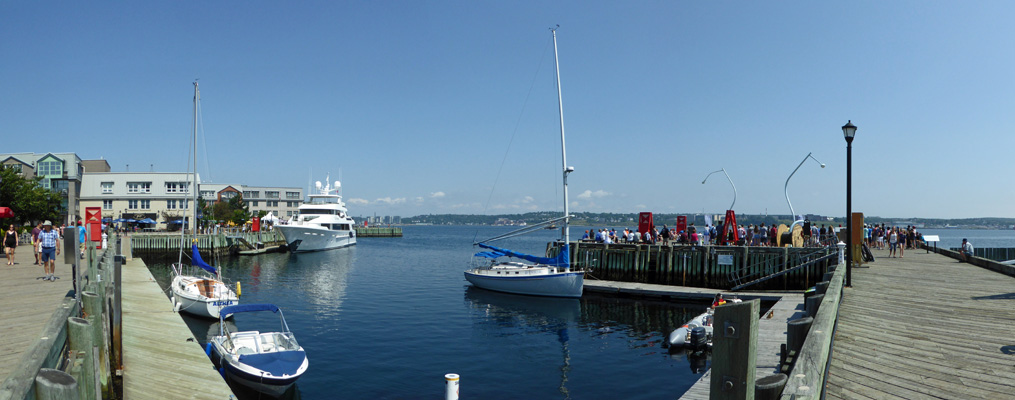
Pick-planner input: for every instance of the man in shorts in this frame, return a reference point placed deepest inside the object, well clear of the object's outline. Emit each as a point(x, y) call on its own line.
point(966, 249)
point(49, 241)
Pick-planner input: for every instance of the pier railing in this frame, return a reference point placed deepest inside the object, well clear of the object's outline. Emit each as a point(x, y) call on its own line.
point(215, 244)
point(717, 267)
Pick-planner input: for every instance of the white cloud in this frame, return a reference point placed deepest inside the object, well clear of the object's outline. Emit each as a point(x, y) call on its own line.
point(359, 202)
point(527, 199)
point(436, 195)
point(588, 194)
point(388, 200)
point(418, 199)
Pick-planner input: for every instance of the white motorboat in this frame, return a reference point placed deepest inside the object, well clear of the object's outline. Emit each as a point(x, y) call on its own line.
point(697, 333)
point(549, 276)
point(269, 362)
point(199, 291)
point(323, 223)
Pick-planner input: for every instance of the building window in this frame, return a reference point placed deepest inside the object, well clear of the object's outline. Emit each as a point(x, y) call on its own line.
point(50, 168)
point(14, 167)
point(146, 204)
point(251, 194)
point(139, 187)
point(288, 213)
point(271, 195)
point(228, 195)
point(177, 187)
point(170, 204)
point(291, 204)
point(107, 204)
point(271, 204)
point(207, 193)
point(107, 187)
point(253, 203)
point(292, 195)
point(132, 204)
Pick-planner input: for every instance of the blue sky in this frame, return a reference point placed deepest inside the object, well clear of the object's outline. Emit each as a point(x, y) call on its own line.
point(420, 103)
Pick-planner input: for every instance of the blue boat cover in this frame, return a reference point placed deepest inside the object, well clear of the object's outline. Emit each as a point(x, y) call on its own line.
point(196, 260)
point(278, 363)
point(247, 308)
point(561, 260)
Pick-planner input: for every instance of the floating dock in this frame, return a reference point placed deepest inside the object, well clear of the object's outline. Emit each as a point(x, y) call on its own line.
point(161, 357)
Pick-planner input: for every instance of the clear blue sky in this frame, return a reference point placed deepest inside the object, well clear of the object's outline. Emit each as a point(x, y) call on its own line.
point(417, 101)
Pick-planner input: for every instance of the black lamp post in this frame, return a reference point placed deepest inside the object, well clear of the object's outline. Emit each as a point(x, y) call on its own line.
point(848, 131)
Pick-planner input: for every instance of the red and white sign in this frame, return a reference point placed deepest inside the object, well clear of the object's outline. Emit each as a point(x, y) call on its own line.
point(93, 220)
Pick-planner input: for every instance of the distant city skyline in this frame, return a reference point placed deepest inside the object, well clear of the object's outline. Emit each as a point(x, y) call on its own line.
point(451, 107)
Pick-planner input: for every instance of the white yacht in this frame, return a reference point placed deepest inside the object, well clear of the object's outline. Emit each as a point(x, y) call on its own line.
point(323, 223)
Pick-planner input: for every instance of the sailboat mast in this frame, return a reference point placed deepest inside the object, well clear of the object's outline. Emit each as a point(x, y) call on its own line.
point(197, 98)
point(563, 148)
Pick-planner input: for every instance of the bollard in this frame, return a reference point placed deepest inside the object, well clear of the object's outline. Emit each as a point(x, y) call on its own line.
point(821, 287)
point(812, 303)
point(79, 339)
point(828, 276)
point(796, 333)
point(769, 387)
point(451, 387)
point(54, 384)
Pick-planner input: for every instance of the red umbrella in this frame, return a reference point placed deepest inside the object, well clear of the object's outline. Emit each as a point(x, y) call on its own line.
point(5, 212)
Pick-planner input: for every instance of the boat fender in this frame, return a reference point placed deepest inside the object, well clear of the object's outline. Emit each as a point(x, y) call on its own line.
point(207, 349)
point(176, 306)
point(238, 291)
point(222, 371)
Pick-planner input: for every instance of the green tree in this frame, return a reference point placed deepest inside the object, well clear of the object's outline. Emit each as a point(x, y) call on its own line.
point(29, 201)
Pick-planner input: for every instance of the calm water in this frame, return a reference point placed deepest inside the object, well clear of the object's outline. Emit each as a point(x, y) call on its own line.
point(980, 238)
point(389, 317)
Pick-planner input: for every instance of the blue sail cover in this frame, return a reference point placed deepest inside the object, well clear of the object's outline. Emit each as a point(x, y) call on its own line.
point(248, 307)
point(561, 260)
point(196, 260)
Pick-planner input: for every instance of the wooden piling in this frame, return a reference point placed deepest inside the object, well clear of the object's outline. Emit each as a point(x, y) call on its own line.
point(734, 350)
point(79, 340)
point(54, 384)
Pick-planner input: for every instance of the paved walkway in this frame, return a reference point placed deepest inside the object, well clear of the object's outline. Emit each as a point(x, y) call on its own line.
point(924, 327)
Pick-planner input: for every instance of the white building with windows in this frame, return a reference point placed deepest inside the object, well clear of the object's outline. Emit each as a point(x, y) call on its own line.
point(161, 196)
point(282, 202)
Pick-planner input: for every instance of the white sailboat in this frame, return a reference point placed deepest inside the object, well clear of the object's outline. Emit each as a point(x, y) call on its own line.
point(548, 276)
point(199, 291)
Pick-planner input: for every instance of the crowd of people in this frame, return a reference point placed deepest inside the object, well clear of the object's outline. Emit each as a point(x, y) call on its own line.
point(750, 235)
point(897, 239)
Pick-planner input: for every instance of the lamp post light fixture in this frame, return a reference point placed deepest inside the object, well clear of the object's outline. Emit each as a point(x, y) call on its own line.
point(848, 131)
point(785, 188)
point(731, 184)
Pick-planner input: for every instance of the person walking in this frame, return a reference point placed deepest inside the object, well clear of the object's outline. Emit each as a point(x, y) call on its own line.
point(10, 243)
point(49, 239)
point(893, 242)
point(35, 241)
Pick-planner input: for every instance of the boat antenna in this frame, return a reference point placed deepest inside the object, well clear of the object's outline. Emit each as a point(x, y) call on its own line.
point(563, 150)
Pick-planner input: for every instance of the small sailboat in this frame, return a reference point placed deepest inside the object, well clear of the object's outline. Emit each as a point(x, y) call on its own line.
point(200, 292)
point(548, 276)
point(268, 362)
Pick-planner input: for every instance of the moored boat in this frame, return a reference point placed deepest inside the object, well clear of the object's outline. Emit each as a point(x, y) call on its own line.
point(323, 223)
point(268, 362)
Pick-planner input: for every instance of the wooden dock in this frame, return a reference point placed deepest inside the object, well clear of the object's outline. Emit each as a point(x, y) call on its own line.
point(771, 337)
point(924, 326)
point(161, 358)
point(27, 305)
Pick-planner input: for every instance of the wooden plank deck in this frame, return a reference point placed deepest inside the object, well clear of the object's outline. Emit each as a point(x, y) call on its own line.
point(771, 336)
point(26, 304)
point(161, 358)
point(924, 326)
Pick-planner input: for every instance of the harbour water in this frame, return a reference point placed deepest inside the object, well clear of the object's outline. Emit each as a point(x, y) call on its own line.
point(980, 238)
point(389, 317)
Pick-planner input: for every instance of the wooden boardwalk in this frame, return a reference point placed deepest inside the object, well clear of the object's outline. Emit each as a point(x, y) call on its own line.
point(161, 358)
point(924, 327)
point(26, 304)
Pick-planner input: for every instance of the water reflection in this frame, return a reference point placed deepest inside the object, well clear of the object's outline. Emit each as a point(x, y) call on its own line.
point(547, 315)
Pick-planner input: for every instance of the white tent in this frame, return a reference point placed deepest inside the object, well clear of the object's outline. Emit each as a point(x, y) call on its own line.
point(270, 218)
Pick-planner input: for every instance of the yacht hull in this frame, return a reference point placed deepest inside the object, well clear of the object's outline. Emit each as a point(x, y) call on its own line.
point(302, 239)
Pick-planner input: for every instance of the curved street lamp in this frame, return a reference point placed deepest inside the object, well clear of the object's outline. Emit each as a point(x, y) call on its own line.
point(731, 184)
point(792, 213)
